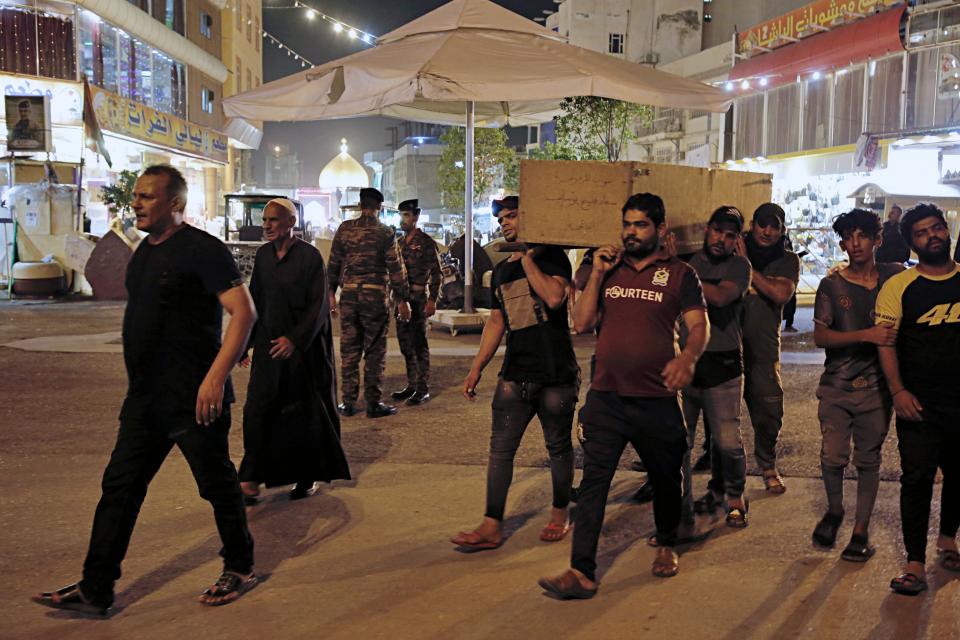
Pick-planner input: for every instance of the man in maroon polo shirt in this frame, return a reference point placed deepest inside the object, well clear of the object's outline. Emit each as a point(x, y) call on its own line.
point(635, 295)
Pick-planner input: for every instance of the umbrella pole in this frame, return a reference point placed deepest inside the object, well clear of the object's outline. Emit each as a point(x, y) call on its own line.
point(468, 214)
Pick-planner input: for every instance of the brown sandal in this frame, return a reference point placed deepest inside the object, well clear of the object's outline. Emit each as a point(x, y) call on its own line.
point(228, 588)
point(666, 566)
point(554, 532)
point(473, 541)
point(774, 483)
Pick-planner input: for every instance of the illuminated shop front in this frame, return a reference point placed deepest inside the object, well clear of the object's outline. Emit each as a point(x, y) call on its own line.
point(831, 111)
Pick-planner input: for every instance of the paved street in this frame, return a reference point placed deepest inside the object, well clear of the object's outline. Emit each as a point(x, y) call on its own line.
point(370, 558)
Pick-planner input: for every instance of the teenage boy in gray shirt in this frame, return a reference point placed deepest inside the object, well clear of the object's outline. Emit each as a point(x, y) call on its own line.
point(854, 401)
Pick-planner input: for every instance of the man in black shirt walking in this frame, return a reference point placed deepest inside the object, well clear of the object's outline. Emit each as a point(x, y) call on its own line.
point(178, 281)
point(539, 377)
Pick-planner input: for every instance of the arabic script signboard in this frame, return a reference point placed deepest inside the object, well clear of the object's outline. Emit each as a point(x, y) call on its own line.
point(806, 20)
point(133, 119)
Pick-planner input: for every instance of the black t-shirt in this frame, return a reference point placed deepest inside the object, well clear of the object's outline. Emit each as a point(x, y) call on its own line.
point(173, 319)
point(539, 348)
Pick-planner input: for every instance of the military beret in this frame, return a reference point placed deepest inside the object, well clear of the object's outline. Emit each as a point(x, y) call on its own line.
point(370, 192)
point(410, 205)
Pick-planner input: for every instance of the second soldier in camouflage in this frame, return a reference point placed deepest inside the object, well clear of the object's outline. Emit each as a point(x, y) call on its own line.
point(422, 262)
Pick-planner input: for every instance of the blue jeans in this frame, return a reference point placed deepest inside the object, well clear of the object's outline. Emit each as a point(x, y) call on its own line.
point(720, 406)
point(514, 405)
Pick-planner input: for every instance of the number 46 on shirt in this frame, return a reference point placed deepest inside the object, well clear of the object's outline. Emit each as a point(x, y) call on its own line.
point(941, 313)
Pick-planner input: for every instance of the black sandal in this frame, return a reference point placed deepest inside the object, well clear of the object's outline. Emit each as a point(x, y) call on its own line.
point(859, 549)
point(229, 587)
point(908, 584)
point(825, 533)
point(70, 598)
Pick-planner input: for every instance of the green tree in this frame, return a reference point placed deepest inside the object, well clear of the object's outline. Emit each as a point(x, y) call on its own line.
point(119, 196)
point(494, 165)
point(591, 128)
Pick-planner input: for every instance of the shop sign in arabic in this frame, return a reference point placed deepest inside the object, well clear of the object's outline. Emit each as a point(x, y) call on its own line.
point(796, 24)
point(138, 121)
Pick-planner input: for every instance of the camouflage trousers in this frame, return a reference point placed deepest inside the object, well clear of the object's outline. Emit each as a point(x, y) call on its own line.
point(412, 337)
point(364, 322)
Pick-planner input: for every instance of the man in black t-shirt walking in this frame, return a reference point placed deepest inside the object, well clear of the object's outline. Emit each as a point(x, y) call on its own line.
point(539, 377)
point(178, 281)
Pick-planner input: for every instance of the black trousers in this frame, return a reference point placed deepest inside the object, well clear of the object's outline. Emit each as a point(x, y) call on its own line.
point(138, 454)
point(924, 446)
point(655, 428)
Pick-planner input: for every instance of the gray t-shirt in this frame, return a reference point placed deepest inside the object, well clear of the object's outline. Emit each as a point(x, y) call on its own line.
point(725, 331)
point(762, 317)
point(844, 306)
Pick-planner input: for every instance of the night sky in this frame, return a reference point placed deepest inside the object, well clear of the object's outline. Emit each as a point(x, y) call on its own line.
point(315, 143)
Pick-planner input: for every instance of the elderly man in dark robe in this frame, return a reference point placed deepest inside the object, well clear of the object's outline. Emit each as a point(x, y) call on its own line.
point(291, 430)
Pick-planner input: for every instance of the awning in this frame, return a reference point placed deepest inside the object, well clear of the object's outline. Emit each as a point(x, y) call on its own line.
point(889, 187)
point(871, 37)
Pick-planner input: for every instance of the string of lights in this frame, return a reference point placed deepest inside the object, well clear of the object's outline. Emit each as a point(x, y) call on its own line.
point(290, 52)
point(339, 26)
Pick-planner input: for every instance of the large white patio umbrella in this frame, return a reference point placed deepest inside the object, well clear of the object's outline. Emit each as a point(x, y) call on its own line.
point(469, 62)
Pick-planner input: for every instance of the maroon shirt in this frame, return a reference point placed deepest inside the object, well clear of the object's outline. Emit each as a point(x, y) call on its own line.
point(639, 318)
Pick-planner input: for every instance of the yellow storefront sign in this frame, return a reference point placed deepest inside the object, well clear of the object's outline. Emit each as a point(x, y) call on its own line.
point(133, 119)
point(818, 15)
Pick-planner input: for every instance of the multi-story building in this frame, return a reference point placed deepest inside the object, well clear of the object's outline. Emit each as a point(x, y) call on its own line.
point(846, 104)
point(241, 51)
point(156, 77)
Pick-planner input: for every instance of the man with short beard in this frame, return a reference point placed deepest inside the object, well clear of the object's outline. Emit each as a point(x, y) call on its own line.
point(923, 304)
point(776, 273)
point(636, 295)
point(717, 385)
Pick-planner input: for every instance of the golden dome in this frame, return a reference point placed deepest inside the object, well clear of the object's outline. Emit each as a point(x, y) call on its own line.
point(343, 172)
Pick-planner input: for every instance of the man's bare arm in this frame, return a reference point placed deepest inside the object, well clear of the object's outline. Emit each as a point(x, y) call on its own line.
point(493, 330)
point(904, 402)
point(552, 289)
point(777, 288)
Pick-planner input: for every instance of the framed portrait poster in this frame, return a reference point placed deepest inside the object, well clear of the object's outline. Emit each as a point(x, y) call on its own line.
point(28, 123)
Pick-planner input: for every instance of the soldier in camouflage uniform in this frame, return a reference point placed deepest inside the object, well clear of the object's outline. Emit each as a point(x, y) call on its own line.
point(363, 260)
point(422, 261)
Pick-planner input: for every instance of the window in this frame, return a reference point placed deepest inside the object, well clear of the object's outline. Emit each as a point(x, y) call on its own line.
point(848, 106)
point(816, 114)
point(256, 81)
point(168, 13)
point(258, 36)
point(749, 127)
point(238, 12)
point(615, 43)
point(112, 60)
point(143, 74)
point(206, 100)
point(126, 75)
point(783, 119)
point(237, 74)
point(206, 24)
point(922, 71)
point(948, 88)
point(32, 38)
point(249, 80)
point(883, 97)
point(249, 23)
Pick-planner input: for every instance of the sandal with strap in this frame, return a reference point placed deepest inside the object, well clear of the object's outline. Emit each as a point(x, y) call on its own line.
point(709, 503)
point(666, 566)
point(737, 517)
point(473, 541)
point(70, 598)
point(859, 549)
point(773, 483)
point(949, 559)
point(228, 588)
point(825, 533)
point(908, 584)
point(554, 532)
point(566, 586)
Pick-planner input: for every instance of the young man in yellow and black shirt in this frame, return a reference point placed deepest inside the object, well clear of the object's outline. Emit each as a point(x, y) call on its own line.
point(923, 303)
